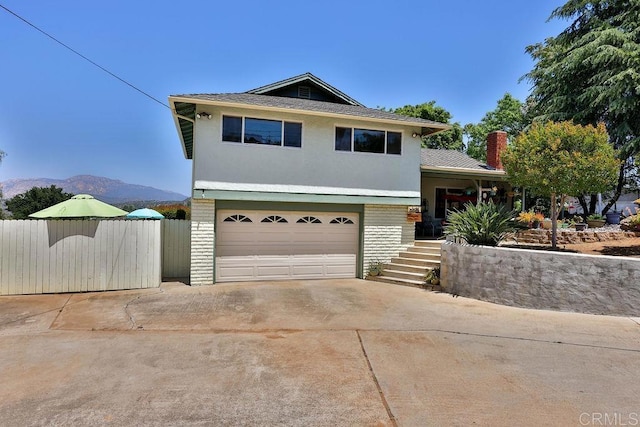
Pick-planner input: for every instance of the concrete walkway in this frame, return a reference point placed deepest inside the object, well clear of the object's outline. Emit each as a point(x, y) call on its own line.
point(335, 352)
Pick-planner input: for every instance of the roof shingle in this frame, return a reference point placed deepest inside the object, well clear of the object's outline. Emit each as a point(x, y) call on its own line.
point(310, 105)
point(450, 159)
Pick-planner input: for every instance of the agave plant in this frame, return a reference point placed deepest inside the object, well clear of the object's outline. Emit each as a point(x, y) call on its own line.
point(483, 224)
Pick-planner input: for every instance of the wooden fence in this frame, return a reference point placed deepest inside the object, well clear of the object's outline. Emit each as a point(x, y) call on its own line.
point(48, 256)
point(176, 248)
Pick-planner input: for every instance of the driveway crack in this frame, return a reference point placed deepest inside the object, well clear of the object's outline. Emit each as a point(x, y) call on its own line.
point(392, 418)
point(131, 317)
point(60, 311)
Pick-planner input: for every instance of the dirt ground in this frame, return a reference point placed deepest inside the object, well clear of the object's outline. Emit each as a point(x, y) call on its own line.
point(625, 247)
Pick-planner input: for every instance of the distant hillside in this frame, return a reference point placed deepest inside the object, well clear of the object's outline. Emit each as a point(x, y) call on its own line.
point(108, 190)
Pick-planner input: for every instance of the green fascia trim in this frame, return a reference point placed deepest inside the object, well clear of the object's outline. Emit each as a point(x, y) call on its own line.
point(284, 206)
point(304, 198)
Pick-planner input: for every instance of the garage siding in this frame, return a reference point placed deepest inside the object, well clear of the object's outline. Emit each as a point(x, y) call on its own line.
point(386, 233)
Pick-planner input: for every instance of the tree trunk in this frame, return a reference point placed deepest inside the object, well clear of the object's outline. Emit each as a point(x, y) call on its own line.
point(554, 221)
point(616, 195)
point(592, 204)
point(583, 203)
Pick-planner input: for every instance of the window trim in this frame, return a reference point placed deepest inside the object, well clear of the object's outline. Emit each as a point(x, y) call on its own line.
point(353, 150)
point(243, 117)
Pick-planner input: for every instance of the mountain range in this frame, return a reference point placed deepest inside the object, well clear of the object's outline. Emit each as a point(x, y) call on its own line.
point(108, 190)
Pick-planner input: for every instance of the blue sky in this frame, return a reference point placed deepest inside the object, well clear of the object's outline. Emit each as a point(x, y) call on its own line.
point(60, 116)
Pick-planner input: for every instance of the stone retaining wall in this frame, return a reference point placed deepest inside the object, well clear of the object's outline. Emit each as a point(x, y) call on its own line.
point(593, 284)
point(567, 237)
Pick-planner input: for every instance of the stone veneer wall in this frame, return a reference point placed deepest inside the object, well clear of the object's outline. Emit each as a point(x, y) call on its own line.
point(567, 237)
point(386, 233)
point(202, 241)
point(593, 284)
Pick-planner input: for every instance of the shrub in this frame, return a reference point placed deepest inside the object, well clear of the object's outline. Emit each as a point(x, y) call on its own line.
point(174, 211)
point(483, 224)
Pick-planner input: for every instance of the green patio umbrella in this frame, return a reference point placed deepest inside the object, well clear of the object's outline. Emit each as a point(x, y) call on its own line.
point(80, 206)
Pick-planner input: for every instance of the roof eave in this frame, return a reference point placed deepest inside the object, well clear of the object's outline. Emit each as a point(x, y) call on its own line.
point(439, 127)
point(176, 122)
point(464, 171)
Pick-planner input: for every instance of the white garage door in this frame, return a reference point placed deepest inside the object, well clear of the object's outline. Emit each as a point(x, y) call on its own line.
point(263, 245)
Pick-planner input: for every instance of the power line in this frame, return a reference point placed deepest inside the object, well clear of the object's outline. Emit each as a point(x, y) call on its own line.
point(84, 57)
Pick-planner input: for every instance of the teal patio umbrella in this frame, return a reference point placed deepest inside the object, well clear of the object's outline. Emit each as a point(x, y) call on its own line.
point(80, 206)
point(145, 213)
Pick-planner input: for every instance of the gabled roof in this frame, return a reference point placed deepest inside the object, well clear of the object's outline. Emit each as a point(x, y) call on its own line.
point(304, 79)
point(453, 161)
point(277, 97)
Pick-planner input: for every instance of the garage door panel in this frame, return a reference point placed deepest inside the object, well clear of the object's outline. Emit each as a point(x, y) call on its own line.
point(272, 271)
point(273, 251)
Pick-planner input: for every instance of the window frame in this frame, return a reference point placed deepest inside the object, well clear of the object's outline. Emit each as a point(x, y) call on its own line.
point(353, 129)
point(243, 118)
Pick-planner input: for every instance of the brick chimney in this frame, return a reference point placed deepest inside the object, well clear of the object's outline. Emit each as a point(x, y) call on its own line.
point(496, 144)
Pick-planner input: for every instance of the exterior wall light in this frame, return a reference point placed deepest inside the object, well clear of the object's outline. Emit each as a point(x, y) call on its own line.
point(203, 115)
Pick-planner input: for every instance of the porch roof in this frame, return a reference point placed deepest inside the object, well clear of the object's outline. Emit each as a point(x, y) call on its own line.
point(455, 162)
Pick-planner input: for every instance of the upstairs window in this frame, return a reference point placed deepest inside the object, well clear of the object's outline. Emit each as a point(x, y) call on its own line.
point(343, 139)
point(368, 141)
point(231, 129)
point(261, 131)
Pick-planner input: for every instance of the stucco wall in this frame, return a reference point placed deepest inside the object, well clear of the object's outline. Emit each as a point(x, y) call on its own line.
point(315, 164)
point(386, 233)
point(543, 280)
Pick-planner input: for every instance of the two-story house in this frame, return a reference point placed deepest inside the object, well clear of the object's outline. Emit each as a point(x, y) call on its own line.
point(296, 179)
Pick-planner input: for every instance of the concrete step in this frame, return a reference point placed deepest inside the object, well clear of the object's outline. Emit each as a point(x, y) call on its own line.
point(429, 243)
point(399, 281)
point(406, 267)
point(420, 256)
point(416, 261)
point(397, 274)
point(412, 265)
point(424, 250)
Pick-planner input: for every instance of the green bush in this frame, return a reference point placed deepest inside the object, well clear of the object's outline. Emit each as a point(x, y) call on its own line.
point(483, 224)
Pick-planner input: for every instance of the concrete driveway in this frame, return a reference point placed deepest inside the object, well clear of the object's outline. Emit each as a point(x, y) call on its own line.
point(334, 352)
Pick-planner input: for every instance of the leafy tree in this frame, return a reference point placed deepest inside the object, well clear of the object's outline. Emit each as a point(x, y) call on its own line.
point(509, 116)
point(450, 139)
point(633, 175)
point(36, 199)
point(590, 73)
point(560, 159)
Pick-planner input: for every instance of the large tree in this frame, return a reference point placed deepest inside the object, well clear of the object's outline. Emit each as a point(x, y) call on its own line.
point(450, 139)
point(35, 199)
point(509, 116)
point(590, 73)
point(560, 159)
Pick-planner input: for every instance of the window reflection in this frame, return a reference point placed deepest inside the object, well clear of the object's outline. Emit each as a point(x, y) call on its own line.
point(394, 144)
point(368, 141)
point(231, 129)
point(259, 131)
point(343, 139)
